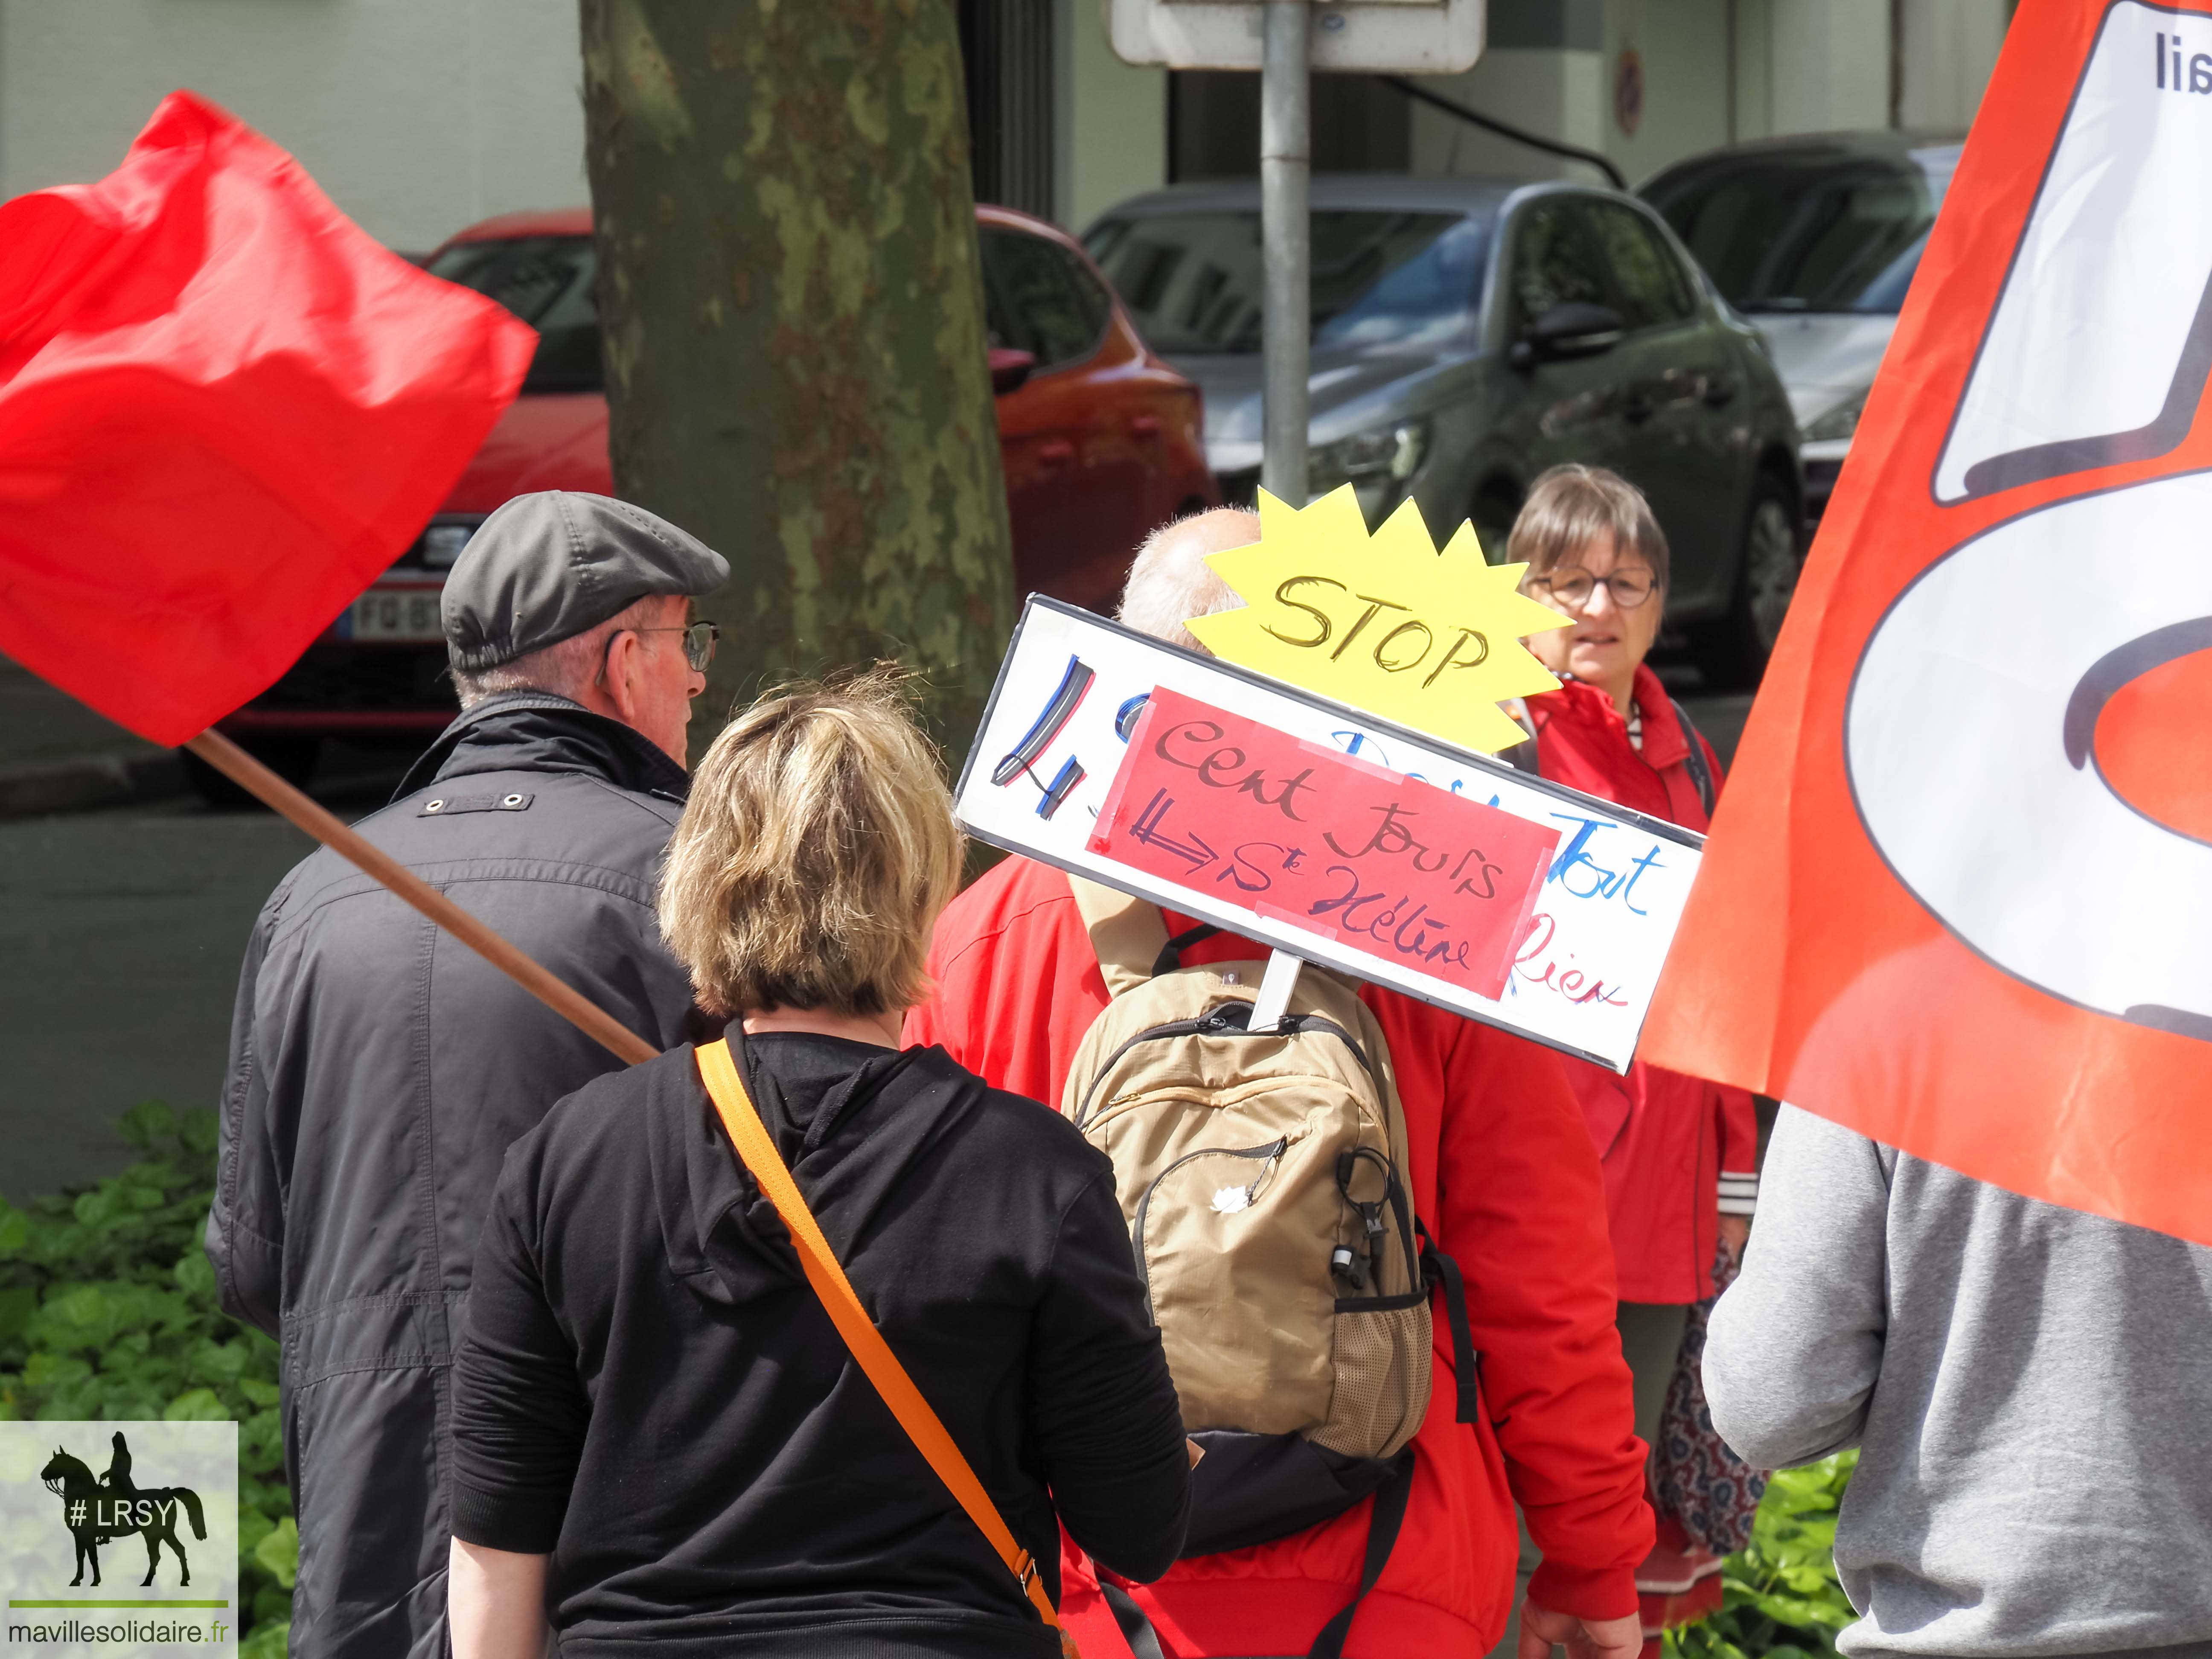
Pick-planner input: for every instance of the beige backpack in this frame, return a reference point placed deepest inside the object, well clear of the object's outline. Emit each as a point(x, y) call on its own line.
point(1262, 1175)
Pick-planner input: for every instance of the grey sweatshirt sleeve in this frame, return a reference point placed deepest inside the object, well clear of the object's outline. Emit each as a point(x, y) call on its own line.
point(1796, 1342)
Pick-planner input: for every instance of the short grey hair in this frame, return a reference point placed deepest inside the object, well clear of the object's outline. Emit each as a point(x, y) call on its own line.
point(1170, 581)
point(565, 668)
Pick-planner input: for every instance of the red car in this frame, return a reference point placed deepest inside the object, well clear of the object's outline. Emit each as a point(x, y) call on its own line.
point(1101, 441)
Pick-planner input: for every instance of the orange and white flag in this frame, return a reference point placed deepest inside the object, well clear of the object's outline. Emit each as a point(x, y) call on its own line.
point(1959, 894)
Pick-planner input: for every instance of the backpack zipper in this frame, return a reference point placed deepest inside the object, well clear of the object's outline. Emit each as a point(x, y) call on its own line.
point(1270, 1152)
point(1220, 1021)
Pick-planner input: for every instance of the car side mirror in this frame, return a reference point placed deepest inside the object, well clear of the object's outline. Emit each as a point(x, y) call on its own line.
point(1010, 369)
point(1573, 328)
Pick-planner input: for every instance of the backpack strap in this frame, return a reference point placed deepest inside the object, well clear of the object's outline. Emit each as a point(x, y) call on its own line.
point(1127, 933)
point(1701, 771)
point(1383, 1521)
point(1130, 935)
point(718, 1070)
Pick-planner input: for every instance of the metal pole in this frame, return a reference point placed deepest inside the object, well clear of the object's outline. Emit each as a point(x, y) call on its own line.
point(1287, 241)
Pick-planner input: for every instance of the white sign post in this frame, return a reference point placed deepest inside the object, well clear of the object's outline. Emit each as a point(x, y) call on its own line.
point(1051, 773)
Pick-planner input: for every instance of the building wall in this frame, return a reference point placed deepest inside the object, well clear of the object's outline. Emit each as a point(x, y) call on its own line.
point(1112, 119)
point(1949, 49)
point(418, 117)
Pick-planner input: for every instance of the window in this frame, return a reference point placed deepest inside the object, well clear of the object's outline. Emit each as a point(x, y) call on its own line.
point(1554, 262)
point(547, 282)
point(1825, 229)
point(1649, 287)
point(1194, 283)
point(1040, 299)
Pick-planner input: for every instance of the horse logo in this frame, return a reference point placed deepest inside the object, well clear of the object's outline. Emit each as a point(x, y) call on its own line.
point(99, 1509)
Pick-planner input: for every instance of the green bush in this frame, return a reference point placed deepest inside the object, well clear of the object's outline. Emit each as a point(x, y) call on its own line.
point(1781, 1595)
point(108, 1310)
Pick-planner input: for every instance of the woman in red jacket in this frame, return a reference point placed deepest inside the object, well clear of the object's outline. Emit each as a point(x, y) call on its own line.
point(1680, 1154)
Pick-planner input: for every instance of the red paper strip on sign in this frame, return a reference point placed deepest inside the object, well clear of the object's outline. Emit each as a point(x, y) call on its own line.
point(1388, 865)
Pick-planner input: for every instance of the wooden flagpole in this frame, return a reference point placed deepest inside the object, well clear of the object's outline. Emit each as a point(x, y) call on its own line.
point(564, 1000)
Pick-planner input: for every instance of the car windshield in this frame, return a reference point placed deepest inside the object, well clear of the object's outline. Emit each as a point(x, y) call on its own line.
point(547, 282)
point(1380, 278)
point(1784, 232)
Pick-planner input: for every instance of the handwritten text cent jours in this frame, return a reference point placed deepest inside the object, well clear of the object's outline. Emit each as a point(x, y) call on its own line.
point(1334, 845)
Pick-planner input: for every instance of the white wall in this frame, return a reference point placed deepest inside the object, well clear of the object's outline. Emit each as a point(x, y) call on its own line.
point(1682, 47)
point(418, 117)
point(1558, 92)
point(1827, 65)
point(1950, 47)
point(1109, 119)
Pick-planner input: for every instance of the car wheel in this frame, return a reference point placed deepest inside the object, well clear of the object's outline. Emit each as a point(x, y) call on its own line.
point(291, 758)
point(1733, 652)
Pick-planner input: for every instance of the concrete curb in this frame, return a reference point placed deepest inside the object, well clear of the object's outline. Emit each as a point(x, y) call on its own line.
point(85, 786)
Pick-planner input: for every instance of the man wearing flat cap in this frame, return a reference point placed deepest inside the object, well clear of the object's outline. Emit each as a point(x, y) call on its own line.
point(379, 1068)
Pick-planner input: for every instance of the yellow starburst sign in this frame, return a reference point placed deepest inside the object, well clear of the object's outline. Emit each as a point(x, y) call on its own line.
point(1386, 622)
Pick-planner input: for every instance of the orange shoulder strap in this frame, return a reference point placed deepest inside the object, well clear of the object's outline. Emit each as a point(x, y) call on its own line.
point(718, 1071)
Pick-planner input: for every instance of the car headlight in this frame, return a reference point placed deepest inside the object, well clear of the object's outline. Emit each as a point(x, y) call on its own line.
point(1382, 456)
point(1839, 423)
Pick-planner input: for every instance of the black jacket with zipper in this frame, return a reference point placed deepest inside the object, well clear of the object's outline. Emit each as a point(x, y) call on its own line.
point(650, 1391)
point(379, 1070)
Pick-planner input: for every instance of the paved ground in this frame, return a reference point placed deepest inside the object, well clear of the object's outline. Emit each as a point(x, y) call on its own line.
point(120, 934)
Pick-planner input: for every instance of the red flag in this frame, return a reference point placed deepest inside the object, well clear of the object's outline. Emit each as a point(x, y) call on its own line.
point(224, 409)
point(1959, 896)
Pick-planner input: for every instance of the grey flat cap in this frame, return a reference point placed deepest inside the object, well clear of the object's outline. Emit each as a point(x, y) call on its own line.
point(547, 567)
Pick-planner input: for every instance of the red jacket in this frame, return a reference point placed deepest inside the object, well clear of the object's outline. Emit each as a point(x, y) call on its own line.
point(1666, 1141)
point(1501, 1173)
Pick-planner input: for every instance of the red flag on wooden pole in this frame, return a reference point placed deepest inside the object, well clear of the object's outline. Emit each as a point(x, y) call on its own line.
point(224, 410)
point(1955, 897)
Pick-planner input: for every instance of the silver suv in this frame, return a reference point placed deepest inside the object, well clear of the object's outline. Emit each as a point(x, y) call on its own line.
point(1469, 333)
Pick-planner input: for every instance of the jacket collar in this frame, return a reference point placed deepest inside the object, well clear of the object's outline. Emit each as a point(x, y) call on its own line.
point(1664, 745)
point(539, 731)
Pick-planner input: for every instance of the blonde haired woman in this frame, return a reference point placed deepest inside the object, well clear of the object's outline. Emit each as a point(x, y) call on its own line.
point(659, 1437)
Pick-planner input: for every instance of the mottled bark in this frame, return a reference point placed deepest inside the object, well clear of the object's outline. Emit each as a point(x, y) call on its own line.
point(794, 324)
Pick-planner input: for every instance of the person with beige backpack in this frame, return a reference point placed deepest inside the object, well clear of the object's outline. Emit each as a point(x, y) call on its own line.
point(787, 1341)
point(1374, 1236)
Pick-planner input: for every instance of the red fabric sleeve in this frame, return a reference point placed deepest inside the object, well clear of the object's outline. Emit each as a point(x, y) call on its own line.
point(1737, 1120)
point(1522, 1211)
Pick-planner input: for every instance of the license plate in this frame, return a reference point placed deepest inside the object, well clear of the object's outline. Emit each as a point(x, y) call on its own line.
point(394, 613)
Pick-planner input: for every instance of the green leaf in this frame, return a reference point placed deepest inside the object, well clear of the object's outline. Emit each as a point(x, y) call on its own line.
point(280, 1551)
point(269, 1641)
point(195, 1275)
point(196, 1405)
point(147, 1123)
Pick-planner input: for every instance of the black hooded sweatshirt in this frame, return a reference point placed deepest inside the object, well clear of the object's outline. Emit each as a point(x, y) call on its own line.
point(650, 1391)
point(379, 1068)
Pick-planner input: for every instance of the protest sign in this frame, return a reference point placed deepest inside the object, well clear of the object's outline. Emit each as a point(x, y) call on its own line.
point(1386, 622)
point(1068, 763)
point(1956, 886)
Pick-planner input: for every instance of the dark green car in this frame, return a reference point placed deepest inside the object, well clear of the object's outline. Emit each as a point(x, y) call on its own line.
point(1469, 333)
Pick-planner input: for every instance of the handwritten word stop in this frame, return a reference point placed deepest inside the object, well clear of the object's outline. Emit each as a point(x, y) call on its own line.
point(1384, 623)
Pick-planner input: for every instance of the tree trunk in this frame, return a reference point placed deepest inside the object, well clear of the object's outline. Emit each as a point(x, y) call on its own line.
point(793, 325)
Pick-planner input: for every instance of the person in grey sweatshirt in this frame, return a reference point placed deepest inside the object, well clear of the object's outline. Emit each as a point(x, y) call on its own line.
point(2030, 1389)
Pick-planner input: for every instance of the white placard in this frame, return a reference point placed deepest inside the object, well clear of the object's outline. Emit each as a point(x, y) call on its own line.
point(1386, 37)
point(1583, 974)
